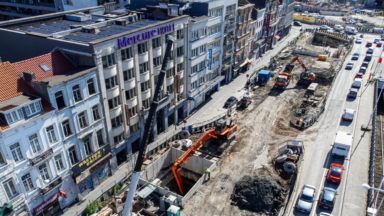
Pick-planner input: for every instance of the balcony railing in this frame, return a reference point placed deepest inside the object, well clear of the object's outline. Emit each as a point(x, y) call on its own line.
point(229, 28)
point(230, 14)
point(47, 188)
point(46, 154)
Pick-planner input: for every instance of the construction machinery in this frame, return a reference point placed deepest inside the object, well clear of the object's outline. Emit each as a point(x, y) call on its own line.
point(283, 79)
point(222, 133)
point(306, 78)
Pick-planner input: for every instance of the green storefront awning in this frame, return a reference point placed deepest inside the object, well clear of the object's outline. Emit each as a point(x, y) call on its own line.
point(6, 209)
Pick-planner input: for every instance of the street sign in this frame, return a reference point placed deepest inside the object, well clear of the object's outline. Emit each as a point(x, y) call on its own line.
point(247, 75)
point(209, 65)
point(210, 53)
point(184, 121)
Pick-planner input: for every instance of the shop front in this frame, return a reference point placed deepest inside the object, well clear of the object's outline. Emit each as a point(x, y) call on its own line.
point(49, 207)
point(92, 171)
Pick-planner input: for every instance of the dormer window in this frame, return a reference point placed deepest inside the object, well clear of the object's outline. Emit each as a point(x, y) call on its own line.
point(33, 108)
point(14, 116)
point(46, 68)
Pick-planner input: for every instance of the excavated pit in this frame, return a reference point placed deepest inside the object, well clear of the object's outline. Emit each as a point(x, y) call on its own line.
point(188, 177)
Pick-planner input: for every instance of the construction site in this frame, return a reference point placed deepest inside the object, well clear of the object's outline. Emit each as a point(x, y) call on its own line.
point(253, 155)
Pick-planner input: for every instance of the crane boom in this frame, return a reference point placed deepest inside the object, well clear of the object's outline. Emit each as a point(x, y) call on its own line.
point(300, 62)
point(147, 131)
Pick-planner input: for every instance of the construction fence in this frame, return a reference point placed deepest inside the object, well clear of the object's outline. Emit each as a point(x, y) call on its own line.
point(360, 29)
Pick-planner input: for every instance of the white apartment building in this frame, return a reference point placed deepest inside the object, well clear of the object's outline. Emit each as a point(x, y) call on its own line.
point(34, 165)
point(257, 32)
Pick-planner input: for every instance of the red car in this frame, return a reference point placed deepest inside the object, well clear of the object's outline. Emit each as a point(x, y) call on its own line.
point(335, 173)
point(378, 44)
point(359, 75)
point(369, 44)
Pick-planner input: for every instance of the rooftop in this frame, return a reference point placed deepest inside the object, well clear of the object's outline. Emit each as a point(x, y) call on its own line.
point(69, 75)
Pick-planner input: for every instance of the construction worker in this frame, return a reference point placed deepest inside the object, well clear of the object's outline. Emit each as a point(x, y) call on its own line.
point(208, 173)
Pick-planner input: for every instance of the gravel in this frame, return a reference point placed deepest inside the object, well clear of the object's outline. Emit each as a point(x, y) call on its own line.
point(259, 194)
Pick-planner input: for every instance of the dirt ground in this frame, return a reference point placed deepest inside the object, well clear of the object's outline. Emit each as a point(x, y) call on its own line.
point(261, 127)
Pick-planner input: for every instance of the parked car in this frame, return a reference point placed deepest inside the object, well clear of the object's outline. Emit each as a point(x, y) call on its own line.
point(349, 65)
point(365, 64)
point(245, 101)
point(376, 40)
point(324, 27)
point(359, 41)
point(297, 23)
point(230, 101)
point(327, 198)
point(362, 70)
point(379, 44)
point(357, 83)
point(348, 114)
point(368, 44)
point(338, 28)
point(359, 75)
point(335, 173)
point(355, 56)
point(368, 57)
point(353, 92)
point(370, 51)
point(305, 200)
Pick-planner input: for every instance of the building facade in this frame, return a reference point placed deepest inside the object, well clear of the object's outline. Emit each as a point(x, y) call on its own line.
point(258, 42)
point(286, 19)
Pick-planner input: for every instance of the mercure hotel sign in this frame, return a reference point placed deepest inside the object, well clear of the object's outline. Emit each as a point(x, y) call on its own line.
point(125, 41)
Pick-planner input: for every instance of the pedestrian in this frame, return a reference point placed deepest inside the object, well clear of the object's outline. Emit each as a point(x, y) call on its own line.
point(208, 173)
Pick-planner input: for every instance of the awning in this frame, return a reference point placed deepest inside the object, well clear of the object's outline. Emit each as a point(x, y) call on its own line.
point(215, 81)
point(277, 36)
point(249, 60)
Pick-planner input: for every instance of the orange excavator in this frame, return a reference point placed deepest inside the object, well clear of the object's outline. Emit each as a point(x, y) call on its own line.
point(222, 132)
point(306, 78)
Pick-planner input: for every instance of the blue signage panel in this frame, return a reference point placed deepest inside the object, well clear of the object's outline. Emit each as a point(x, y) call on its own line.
point(210, 53)
point(209, 65)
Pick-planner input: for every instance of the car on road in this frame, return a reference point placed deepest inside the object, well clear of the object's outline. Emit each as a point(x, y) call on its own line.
point(245, 101)
point(359, 75)
point(306, 198)
point(365, 64)
point(232, 100)
point(357, 83)
point(349, 65)
point(335, 173)
point(379, 44)
point(359, 41)
point(297, 23)
point(324, 27)
point(362, 70)
point(376, 40)
point(338, 28)
point(348, 114)
point(370, 51)
point(327, 198)
point(324, 214)
point(355, 56)
point(368, 44)
point(368, 57)
point(353, 93)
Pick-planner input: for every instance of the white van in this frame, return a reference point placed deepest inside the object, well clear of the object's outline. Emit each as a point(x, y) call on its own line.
point(338, 27)
point(350, 30)
point(342, 144)
point(357, 83)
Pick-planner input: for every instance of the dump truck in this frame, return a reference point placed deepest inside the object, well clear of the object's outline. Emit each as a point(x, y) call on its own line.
point(283, 79)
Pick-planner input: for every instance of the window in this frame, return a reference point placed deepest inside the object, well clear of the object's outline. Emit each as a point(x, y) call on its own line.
point(157, 61)
point(214, 29)
point(179, 67)
point(59, 100)
point(202, 49)
point(244, 30)
point(170, 72)
point(46, 68)
point(215, 59)
point(117, 121)
point(118, 138)
point(134, 128)
point(76, 93)
point(194, 69)
point(2, 161)
point(44, 171)
point(10, 188)
point(14, 116)
point(195, 52)
point(180, 51)
point(66, 128)
point(33, 108)
point(201, 65)
point(91, 87)
point(171, 55)
point(82, 120)
point(156, 42)
point(238, 33)
point(108, 60)
point(145, 86)
point(27, 182)
point(87, 146)
point(128, 74)
point(155, 79)
point(145, 103)
point(51, 134)
point(170, 88)
point(194, 85)
point(114, 102)
point(16, 152)
point(132, 111)
point(34, 141)
point(215, 12)
point(111, 82)
point(240, 20)
point(201, 80)
point(130, 93)
point(142, 47)
point(100, 139)
point(95, 112)
point(246, 17)
point(126, 53)
point(195, 35)
point(180, 34)
point(72, 155)
point(143, 67)
point(59, 162)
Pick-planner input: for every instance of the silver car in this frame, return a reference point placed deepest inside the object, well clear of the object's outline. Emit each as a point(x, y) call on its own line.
point(305, 200)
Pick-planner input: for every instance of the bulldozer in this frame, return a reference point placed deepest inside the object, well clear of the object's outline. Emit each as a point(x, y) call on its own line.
point(306, 78)
point(222, 133)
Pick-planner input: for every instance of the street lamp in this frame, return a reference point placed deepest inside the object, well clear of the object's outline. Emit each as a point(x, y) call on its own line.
point(366, 186)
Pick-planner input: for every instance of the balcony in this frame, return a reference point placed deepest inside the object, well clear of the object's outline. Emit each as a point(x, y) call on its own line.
point(50, 186)
point(228, 49)
point(230, 14)
point(46, 154)
point(229, 28)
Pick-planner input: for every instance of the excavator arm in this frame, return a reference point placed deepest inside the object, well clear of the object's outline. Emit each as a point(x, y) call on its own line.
point(187, 155)
point(300, 62)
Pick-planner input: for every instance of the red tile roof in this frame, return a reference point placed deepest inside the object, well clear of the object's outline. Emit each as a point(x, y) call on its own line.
point(58, 63)
point(11, 85)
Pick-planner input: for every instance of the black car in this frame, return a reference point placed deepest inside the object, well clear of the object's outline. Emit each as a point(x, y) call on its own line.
point(355, 56)
point(365, 64)
point(368, 58)
point(362, 70)
point(232, 100)
point(297, 23)
point(353, 93)
point(327, 198)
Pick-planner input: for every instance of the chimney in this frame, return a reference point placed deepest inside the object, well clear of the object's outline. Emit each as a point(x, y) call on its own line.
point(29, 76)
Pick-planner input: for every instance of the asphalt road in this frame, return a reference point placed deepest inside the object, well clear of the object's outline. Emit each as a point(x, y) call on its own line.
point(317, 158)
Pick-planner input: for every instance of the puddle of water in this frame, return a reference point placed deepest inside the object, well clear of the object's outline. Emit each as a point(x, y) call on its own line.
point(262, 158)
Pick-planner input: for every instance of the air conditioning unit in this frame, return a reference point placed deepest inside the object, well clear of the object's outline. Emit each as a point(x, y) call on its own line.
point(89, 29)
